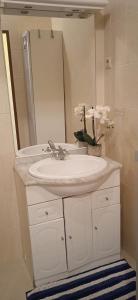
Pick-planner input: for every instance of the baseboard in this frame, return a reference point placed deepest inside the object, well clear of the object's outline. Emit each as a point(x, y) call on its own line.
point(129, 258)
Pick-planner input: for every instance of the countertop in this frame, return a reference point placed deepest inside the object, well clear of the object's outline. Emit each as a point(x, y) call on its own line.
point(22, 169)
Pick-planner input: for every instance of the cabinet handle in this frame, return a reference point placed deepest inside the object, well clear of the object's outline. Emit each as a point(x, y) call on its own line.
point(62, 238)
point(46, 213)
point(107, 198)
point(70, 237)
point(96, 228)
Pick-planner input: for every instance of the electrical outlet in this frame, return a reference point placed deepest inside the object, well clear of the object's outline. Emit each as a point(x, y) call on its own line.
point(108, 63)
point(25, 258)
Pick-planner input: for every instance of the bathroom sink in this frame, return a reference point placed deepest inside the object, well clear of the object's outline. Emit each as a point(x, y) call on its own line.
point(75, 175)
point(41, 149)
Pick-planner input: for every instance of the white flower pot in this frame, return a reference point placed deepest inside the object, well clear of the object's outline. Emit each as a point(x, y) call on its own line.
point(95, 150)
point(82, 144)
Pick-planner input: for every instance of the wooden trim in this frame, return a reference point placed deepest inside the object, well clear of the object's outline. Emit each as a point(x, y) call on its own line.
point(13, 88)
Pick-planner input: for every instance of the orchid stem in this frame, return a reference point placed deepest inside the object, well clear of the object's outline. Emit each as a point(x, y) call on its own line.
point(93, 127)
point(85, 129)
point(102, 135)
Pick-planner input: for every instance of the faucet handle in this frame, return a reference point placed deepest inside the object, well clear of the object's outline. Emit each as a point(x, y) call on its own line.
point(60, 149)
point(63, 150)
point(62, 153)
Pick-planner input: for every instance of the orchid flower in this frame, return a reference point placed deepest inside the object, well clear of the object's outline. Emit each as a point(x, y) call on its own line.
point(99, 115)
point(93, 113)
point(110, 124)
point(79, 110)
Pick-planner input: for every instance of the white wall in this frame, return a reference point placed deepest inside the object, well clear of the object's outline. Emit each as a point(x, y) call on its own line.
point(48, 86)
point(79, 66)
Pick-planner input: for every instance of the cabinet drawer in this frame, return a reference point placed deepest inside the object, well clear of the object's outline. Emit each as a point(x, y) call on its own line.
point(44, 212)
point(106, 197)
point(38, 194)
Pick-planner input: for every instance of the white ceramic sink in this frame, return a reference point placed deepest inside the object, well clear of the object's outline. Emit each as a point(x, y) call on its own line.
point(75, 175)
point(41, 149)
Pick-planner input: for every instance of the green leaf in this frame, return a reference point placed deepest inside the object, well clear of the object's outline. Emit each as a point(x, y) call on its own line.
point(85, 137)
point(79, 135)
point(88, 139)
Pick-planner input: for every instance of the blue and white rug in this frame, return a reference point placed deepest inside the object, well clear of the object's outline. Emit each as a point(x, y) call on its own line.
point(112, 281)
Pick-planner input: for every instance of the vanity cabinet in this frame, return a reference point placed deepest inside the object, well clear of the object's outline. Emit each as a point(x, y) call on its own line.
point(106, 222)
point(48, 249)
point(74, 234)
point(47, 233)
point(78, 227)
point(106, 231)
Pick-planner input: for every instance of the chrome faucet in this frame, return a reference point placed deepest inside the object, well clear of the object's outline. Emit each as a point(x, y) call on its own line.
point(52, 145)
point(58, 153)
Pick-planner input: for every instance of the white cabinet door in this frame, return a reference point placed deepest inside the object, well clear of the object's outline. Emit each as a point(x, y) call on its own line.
point(48, 248)
point(106, 231)
point(78, 222)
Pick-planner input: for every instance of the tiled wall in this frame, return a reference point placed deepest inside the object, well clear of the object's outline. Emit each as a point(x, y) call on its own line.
point(10, 246)
point(121, 93)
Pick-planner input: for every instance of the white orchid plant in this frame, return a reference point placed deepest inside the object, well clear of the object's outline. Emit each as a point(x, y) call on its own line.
point(99, 116)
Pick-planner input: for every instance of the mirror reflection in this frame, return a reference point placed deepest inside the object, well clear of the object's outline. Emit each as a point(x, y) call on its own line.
point(50, 66)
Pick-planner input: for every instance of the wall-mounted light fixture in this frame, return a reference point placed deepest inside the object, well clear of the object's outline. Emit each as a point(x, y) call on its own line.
point(54, 8)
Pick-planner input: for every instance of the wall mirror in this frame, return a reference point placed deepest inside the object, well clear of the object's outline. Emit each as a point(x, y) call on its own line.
point(50, 66)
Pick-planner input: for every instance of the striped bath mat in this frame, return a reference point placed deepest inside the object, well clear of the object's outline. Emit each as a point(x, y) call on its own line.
point(112, 281)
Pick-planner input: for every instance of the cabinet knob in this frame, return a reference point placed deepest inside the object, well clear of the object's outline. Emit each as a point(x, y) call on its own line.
point(46, 213)
point(107, 198)
point(62, 238)
point(70, 237)
point(96, 228)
